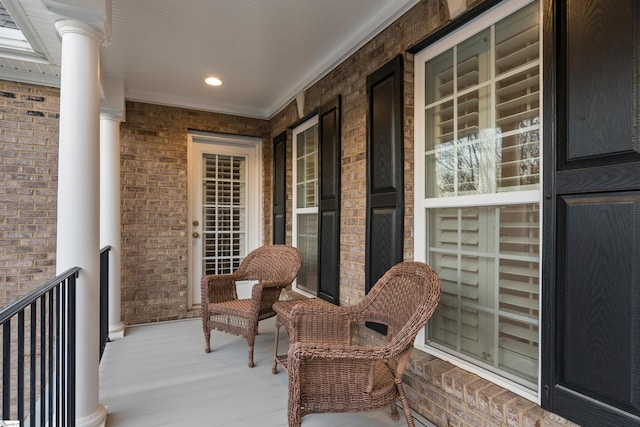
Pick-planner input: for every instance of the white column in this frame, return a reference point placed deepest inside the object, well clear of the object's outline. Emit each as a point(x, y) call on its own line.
point(78, 238)
point(110, 213)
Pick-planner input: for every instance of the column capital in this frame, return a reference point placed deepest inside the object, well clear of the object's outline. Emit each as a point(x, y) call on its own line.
point(113, 117)
point(95, 13)
point(73, 26)
point(112, 103)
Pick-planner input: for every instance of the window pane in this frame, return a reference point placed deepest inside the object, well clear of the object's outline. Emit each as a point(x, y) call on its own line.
point(440, 154)
point(307, 238)
point(307, 168)
point(487, 259)
point(223, 213)
point(476, 141)
point(439, 77)
point(473, 61)
point(517, 39)
point(476, 145)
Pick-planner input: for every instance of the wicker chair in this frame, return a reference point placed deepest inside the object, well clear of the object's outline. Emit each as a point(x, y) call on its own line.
point(327, 373)
point(274, 267)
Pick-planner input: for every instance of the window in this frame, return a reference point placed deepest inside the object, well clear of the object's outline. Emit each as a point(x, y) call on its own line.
point(223, 213)
point(478, 196)
point(305, 210)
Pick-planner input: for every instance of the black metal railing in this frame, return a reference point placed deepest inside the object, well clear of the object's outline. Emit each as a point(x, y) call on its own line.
point(38, 355)
point(104, 298)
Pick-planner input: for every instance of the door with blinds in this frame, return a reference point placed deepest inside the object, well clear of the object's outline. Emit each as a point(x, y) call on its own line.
point(224, 211)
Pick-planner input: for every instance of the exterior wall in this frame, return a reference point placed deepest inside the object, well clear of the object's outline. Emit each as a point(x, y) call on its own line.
point(154, 204)
point(442, 393)
point(154, 209)
point(349, 81)
point(28, 187)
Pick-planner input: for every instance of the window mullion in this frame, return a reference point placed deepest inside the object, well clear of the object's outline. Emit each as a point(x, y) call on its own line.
point(496, 289)
point(455, 122)
point(459, 282)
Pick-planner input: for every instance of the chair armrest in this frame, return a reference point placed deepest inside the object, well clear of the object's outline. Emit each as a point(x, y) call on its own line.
point(264, 295)
point(318, 351)
point(258, 288)
point(321, 324)
point(218, 288)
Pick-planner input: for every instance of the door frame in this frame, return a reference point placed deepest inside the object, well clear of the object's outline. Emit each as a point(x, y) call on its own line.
point(199, 143)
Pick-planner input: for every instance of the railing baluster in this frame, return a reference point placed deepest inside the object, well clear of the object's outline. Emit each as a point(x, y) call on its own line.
point(61, 309)
point(21, 366)
point(43, 357)
point(52, 302)
point(72, 351)
point(6, 370)
point(104, 298)
point(32, 363)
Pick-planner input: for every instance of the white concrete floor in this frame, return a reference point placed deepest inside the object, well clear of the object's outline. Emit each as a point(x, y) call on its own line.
point(159, 375)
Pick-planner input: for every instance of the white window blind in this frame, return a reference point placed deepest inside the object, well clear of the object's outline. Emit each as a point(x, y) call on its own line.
point(481, 194)
point(224, 213)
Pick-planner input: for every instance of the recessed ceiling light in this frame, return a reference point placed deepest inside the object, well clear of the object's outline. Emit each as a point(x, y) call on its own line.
point(213, 81)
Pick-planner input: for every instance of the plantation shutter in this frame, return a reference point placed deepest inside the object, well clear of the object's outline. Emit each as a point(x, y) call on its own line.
point(487, 261)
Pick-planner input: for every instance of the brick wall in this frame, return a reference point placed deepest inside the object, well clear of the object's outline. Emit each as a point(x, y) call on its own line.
point(154, 204)
point(28, 187)
point(442, 393)
point(452, 397)
point(349, 81)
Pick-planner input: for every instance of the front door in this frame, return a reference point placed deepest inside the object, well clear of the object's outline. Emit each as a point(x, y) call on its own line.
point(224, 207)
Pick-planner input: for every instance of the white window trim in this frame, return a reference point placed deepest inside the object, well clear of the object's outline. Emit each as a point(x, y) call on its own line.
point(420, 213)
point(294, 197)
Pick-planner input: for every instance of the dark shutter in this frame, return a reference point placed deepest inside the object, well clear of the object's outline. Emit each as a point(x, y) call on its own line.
point(591, 243)
point(385, 172)
point(279, 188)
point(329, 202)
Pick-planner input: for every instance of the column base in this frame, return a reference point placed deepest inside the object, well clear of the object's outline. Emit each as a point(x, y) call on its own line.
point(116, 331)
point(97, 419)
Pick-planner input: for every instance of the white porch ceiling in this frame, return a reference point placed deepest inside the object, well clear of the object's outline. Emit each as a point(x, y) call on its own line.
point(264, 51)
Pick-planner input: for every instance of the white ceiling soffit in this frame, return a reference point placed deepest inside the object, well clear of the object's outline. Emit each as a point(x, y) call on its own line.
point(264, 52)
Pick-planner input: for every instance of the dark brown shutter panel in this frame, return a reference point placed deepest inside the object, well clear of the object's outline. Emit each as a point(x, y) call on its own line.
point(591, 258)
point(329, 202)
point(279, 188)
point(385, 173)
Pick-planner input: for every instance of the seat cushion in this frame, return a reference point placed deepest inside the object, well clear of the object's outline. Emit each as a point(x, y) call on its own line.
point(237, 307)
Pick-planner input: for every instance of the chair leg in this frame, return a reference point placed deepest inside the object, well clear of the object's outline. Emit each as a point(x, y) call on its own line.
point(250, 342)
point(293, 413)
point(207, 334)
point(274, 369)
point(394, 412)
point(405, 403)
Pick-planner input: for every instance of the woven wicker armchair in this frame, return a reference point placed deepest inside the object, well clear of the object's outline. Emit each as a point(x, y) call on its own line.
point(327, 373)
point(274, 267)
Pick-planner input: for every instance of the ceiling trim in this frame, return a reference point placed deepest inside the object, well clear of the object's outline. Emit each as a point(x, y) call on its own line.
point(184, 102)
point(29, 77)
point(339, 55)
